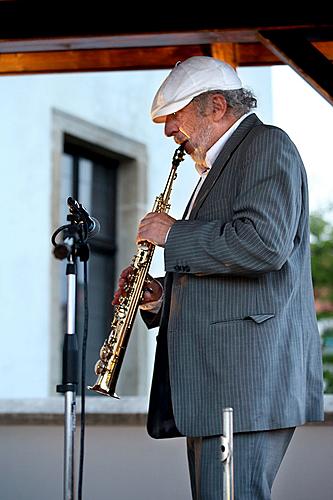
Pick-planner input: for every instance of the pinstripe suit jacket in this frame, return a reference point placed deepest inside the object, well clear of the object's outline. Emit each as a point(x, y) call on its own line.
point(238, 325)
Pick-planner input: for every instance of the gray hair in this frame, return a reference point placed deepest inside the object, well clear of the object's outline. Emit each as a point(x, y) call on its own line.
point(239, 101)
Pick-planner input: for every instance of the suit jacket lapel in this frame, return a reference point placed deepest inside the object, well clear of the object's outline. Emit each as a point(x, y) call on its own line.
point(231, 145)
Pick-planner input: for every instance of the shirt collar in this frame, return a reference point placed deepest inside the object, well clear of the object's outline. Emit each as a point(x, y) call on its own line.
point(216, 148)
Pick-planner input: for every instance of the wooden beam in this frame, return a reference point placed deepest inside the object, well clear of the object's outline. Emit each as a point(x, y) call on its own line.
point(225, 52)
point(254, 54)
point(145, 58)
point(95, 60)
point(295, 50)
point(257, 54)
point(326, 48)
point(126, 40)
point(131, 59)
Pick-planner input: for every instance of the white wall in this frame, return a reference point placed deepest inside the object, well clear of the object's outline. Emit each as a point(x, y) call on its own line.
point(124, 463)
point(114, 101)
point(307, 118)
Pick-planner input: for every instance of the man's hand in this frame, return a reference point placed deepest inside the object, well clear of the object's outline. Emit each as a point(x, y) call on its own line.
point(154, 228)
point(153, 289)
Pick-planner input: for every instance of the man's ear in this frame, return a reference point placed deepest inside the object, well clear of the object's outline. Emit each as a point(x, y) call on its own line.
point(219, 107)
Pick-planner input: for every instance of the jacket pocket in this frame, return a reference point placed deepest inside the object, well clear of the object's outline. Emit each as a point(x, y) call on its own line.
point(257, 318)
point(260, 318)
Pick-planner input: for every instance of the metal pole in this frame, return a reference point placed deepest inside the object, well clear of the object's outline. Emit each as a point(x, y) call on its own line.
point(70, 381)
point(227, 454)
point(69, 446)
point(70, 404)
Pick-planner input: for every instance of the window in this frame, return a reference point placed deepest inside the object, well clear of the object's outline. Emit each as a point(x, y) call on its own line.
point(91, 179)
point(107, 173)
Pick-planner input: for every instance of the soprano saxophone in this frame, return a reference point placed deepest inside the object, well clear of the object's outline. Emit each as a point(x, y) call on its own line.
point(114, 347)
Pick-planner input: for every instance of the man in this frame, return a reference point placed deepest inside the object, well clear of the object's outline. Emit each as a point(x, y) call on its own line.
point(235, 309)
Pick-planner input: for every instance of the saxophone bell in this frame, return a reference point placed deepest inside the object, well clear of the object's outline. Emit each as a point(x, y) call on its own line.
point(102, 387)
point(106, 381)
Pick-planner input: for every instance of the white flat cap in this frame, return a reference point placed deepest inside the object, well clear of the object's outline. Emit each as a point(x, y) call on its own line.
point(188, 79)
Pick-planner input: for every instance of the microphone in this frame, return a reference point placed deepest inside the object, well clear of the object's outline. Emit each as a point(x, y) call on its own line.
point(81, 215)
point(94, 227)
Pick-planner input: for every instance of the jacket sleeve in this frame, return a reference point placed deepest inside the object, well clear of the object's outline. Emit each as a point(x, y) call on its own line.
point(260, 235)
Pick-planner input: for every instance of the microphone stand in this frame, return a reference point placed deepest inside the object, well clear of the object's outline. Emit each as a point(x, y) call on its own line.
point(73, 245)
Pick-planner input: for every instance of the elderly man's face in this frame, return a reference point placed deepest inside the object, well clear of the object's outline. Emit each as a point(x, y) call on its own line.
point(194, 128)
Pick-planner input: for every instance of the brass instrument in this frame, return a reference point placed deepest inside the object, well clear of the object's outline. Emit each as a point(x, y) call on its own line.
point(113, 350)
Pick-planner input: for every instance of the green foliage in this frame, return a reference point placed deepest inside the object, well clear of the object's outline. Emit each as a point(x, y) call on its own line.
point(322, 275)
point(328, 378)
point(327, 348)
point(322, 254)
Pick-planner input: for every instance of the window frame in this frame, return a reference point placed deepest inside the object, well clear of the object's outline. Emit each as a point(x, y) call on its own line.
point(131, 206)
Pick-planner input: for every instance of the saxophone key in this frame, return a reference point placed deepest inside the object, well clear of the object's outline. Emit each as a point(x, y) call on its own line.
point(99, 367)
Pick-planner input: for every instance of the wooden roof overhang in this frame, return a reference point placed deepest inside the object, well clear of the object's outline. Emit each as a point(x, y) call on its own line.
point(90, 41)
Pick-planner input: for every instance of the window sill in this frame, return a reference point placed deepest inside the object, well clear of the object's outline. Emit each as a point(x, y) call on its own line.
point(50, 411)
point(101, 410)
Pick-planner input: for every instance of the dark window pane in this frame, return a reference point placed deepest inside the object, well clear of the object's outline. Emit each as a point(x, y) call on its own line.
point(104, 199)
point(100, 291)
point(91, 180)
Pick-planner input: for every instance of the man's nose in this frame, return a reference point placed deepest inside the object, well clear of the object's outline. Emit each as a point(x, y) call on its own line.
point(170, 127)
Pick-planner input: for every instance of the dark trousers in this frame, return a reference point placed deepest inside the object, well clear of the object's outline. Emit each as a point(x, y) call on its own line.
point(257, 458)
